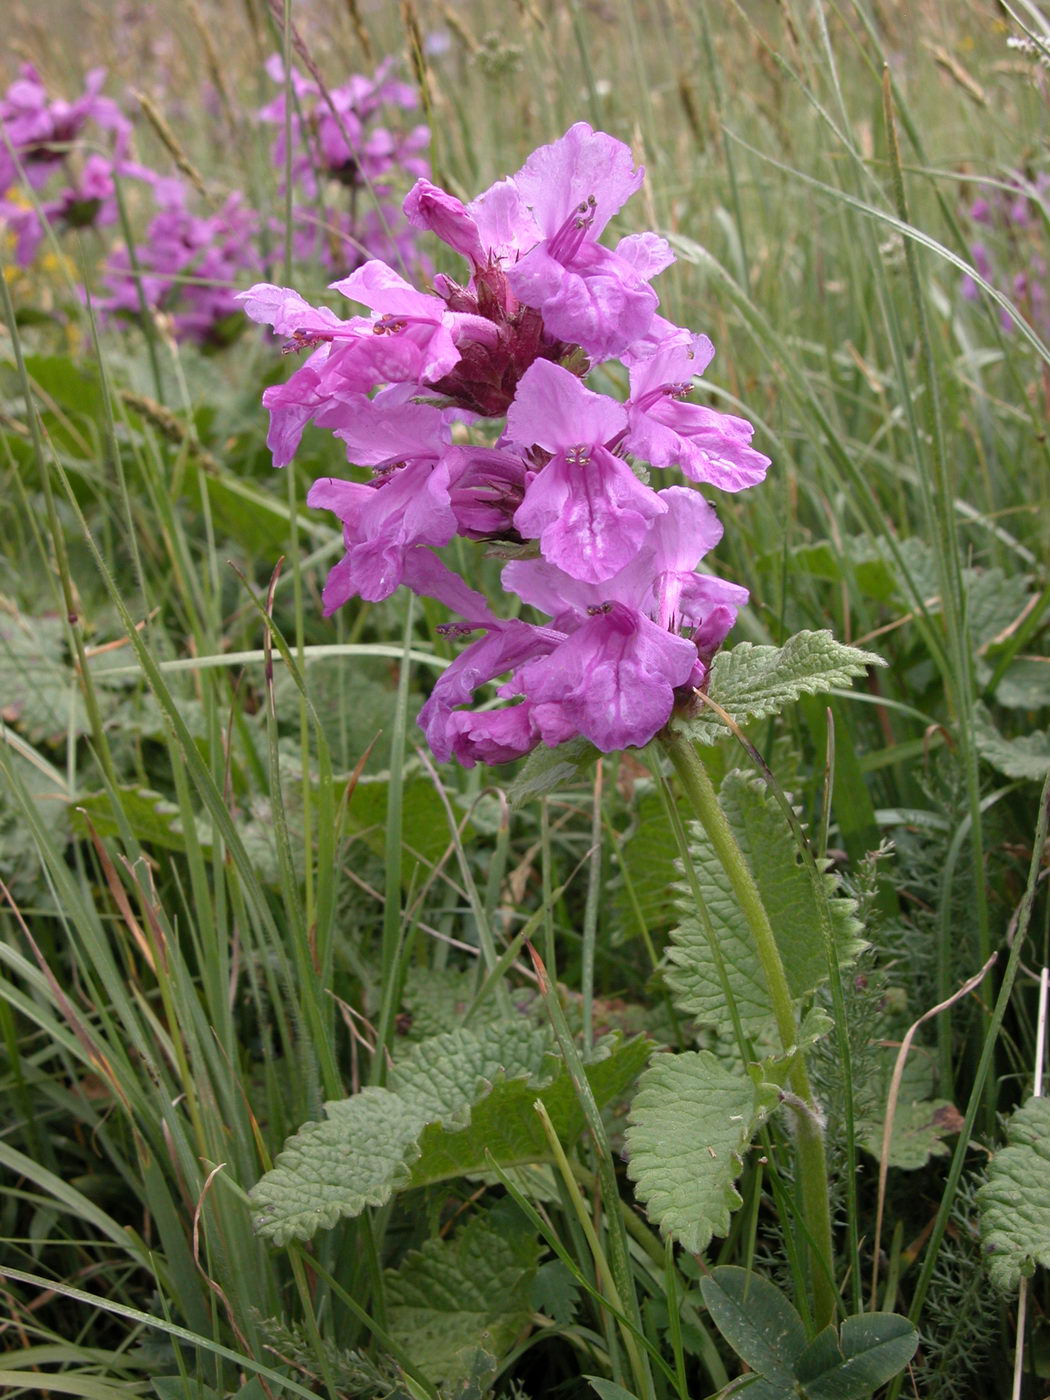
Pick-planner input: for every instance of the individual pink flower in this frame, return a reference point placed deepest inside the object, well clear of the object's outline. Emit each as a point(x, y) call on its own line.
point(612, 681)
point(406, 503)
point(598, 297)
point(586, 507)
point(667, 432)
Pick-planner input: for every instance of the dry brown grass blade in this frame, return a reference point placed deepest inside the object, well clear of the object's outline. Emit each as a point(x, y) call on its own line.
point(891, 1107)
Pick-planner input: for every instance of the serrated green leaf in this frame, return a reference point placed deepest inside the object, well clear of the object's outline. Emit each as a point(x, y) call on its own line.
point(505, 1124)
point(453, 1099)
point(437, 999)
point(752, 682)
point(454, 1297)
point(994, 600)
point(919, 1130)
point(757, 1321)
point(1026, 684)
point(645, 889)
point(1026, 757)
point(790, 900)
point(921, 1122)
point(154, 820)
point(854, 558)
point(870, 1350)
point(555, 1292)
point(424, 828)
point(475, 1370)
point(545, 770)
point(355, 1158)
point(1014, 1203)
point(691, 1121)
point(39, 693)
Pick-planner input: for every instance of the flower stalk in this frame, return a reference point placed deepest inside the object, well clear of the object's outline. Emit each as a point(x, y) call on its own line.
point(811, 1174)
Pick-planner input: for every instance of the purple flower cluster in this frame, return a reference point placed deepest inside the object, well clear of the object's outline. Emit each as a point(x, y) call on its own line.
point(188, 264)
point(186, 267)
point(347, 165)
point(608, 559)
point(1010, 253)
point(42, 142)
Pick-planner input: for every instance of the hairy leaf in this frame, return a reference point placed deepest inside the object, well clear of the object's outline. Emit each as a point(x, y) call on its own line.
point(920, 1121)
point(1026, 757)
point(691, 1121)
point(455, 1098)
point(751, 682)
point(787, 891)
point(153, 819)
point(39, 693)
point(1026, 684)
point(644, 893)
point(919, 1130)
point(1014, 1203)
point(454, 1296)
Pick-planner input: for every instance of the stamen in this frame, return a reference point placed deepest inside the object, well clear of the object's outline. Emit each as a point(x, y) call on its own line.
point(579, 455)
point(597, 609)
point(567, 240)
point(385, 470)
point(304, 340)
point(662, 391)
point(454, 629)
point(389, 325)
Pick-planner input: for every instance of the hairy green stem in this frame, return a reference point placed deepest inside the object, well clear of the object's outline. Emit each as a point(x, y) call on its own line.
point(812, 1172)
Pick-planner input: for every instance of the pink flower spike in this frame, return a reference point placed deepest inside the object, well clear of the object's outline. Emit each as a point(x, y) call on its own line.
point(399, 310)
point(647, 253)
point(492, 736)
point(382, 521)
point(377, 433)
point(291, 406)
point(586, 507)
point(505, 646)
point(594, 299)
point(380, 288)
point(505, 226)
point(429, 577)
point(427, 206)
